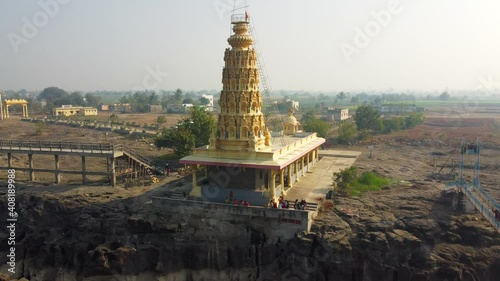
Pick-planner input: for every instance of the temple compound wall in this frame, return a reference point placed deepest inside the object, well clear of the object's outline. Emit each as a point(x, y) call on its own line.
point(275, 223)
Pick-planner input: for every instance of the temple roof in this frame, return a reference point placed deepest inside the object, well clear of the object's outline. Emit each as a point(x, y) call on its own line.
point(276, 158)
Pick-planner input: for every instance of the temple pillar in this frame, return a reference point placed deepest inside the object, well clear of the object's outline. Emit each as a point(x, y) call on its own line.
point(112, 172)
point(282, 180)
point(57, 173)
point(9, 160)
point(196, 190)
point(26, 111)
point(302, 166)
point(30, 163)
point(289, 175)
point(272, 185)
point(308, 161)
point(296, 170)
point(84, 171)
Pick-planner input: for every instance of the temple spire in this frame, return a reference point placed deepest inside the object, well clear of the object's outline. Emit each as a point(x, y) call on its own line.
point(240, 124)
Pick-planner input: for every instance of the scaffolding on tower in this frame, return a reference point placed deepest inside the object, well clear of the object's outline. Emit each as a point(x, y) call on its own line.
point(264, 78)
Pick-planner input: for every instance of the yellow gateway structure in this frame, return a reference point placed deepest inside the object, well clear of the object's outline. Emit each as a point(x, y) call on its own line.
point(241, 158)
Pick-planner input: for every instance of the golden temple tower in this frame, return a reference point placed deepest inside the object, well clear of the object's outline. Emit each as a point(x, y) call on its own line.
point(240, 124)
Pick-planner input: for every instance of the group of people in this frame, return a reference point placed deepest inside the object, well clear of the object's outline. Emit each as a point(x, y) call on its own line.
point(282, 203)
point(497, 214)
point(302, 205)
point(235, 202)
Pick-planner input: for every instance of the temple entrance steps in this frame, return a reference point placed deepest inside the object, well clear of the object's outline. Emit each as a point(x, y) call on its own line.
point(174, 195)
point(310, 206)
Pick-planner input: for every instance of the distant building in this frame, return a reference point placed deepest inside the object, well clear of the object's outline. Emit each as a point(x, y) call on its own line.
point(69, 110)
point(121, 107)
point(103, 107)
point(396, 108)
point(155, 108)
point(179, 108)
point(210, 105)
point(338, 114)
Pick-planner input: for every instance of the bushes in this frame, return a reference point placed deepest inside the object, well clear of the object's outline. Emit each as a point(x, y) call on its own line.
point(350, 183)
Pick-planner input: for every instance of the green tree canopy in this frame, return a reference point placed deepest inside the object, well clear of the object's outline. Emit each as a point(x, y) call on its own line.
point(76, 99)
point(190, 132)
point(444, 96)
point(203, 125)
point(366, 117)
point(317, 125)
point(204, 101)
point(306, 117)
point(54, 96)
point(161, 120)
point(347, 132)
point(92, 100)
point(341, 96)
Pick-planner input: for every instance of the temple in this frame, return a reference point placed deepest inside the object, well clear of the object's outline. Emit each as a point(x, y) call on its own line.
point(242, 158)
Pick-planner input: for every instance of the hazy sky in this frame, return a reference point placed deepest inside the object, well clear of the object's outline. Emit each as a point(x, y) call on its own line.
point(307, 45)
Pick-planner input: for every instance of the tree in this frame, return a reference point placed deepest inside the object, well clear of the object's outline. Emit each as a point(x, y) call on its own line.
point(309, 115)
point(178, 96)
point(344, 177)
point(204, 101)
point(190, 132)
point(203, 125)
point(347, 132)
point(161, 120)
point(341, 96)
point(414, 118)
point(76, 98)
point(181, 140)
point(444, 96)
point(154, 99)
point(52, 95)
point(92, 100)
point(40, 128)
point(188, 101)
point(366, 117)
point(355, 100)
point(318, 126)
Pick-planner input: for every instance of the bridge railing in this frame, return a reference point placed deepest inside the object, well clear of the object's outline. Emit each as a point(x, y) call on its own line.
point(135, 154)
point(55, 146)
point(487, 197)
point(480, 206)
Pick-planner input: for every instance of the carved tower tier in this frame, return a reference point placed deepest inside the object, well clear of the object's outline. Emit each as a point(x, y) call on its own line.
point(240, 124)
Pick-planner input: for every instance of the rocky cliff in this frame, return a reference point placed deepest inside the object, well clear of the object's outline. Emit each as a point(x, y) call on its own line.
point(404, 233)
